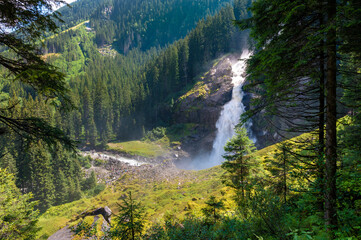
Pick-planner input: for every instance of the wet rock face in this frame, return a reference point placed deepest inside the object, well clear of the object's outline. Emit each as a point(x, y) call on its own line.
point(203, 104)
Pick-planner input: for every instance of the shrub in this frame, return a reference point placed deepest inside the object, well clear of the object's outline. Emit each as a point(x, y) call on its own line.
point(155, 134)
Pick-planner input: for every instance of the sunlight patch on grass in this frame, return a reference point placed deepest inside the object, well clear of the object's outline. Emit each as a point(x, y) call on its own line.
point(139, 148)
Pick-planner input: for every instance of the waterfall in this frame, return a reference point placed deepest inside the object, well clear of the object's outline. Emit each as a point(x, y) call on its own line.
point(228, 119)
point(231, 113)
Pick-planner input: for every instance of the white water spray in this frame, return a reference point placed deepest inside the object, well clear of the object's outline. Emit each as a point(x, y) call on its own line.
point(229, 117)
point(231, 112)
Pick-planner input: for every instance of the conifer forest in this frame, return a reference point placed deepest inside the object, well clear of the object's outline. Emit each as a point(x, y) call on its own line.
point(180, 119)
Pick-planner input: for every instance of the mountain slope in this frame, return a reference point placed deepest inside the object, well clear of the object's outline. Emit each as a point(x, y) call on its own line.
point(129, 93)
point(162, 189)
point(129, 24)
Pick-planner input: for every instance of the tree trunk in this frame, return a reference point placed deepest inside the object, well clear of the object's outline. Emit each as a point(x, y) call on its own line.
point(284, 176)
point(331, 141)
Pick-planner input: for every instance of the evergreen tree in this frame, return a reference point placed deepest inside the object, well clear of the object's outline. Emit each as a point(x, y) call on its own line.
point(183, 55)
point(240, 8)
point(279, 166)
point(74, 189)
point(88, 118)
point(238, 164)
point(211, 211)
point(102, 115)
point(129, 222)
point(90, 182)
point(279, 45)
point(93, 180)
point(17, 216)
point(21, 61)
point(40, 182)
point(61, 189)
point(8, 162)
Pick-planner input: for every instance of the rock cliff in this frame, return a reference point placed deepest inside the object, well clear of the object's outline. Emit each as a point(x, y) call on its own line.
point(202, 104)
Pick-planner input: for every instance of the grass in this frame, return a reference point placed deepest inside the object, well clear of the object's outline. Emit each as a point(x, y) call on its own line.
point(72, 28)
point(181, 195)
point(139, 148)
point(177, 195)
point(200, 89)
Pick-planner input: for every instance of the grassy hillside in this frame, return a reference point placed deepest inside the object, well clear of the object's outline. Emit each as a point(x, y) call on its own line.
point(162, 191)
point(177, 192)
point(139, 148)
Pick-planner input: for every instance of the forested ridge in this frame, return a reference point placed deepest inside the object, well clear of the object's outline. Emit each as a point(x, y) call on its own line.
point(124, 90)
point(112, 95)
point(113, 71)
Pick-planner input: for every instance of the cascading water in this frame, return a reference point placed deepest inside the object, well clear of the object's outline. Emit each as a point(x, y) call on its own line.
point(231, 113)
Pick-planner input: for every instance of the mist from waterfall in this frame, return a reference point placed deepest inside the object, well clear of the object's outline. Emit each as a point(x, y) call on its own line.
point(229, 118)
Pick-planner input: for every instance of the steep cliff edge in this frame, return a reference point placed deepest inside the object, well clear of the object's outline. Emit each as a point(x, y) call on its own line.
point(202, 104)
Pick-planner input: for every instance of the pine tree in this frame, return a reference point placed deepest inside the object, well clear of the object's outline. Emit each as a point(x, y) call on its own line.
point(183, 55)
point(102, 115)
point(88, 118)
point(74, 189)
point(29, 21)
point(281, 31)
point(61, 189)
point(211, 211)
point(90, 182)
point(17, 216)
point(279, 166)
point(40, 181)
point(129, 222)
point(8, 162)
point(238, 163)
point(240, 9)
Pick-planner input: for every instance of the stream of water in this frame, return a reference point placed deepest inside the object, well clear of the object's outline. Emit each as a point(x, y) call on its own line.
point(229, 118)
point(103, 156)
point(231, 112)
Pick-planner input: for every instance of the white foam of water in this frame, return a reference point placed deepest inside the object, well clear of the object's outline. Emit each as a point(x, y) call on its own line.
point(229, 118)
point(131, 162)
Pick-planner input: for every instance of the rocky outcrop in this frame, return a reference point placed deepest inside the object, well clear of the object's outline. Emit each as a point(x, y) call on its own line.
point(104, 211)
point(103, 214)
point(63, 234)
point(203, 103)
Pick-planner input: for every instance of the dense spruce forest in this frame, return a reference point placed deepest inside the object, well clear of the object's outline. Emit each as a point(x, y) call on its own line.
point(107, 72)
point(121, 95)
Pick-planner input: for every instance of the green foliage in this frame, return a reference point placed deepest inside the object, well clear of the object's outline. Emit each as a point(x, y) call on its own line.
point(85, 161)
point(129, 222)
point(155, 134)
point(21, 63)
point(90, 182)
point(8, 162)
point(118, 95)
point(240, 166)
point(85, 229)
point(99, 188)
point(140, 148)
point(17, 216)
point(211, 211)
point(298, 235)
point(190, 228)
point(123, 21)
point(98, 162)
